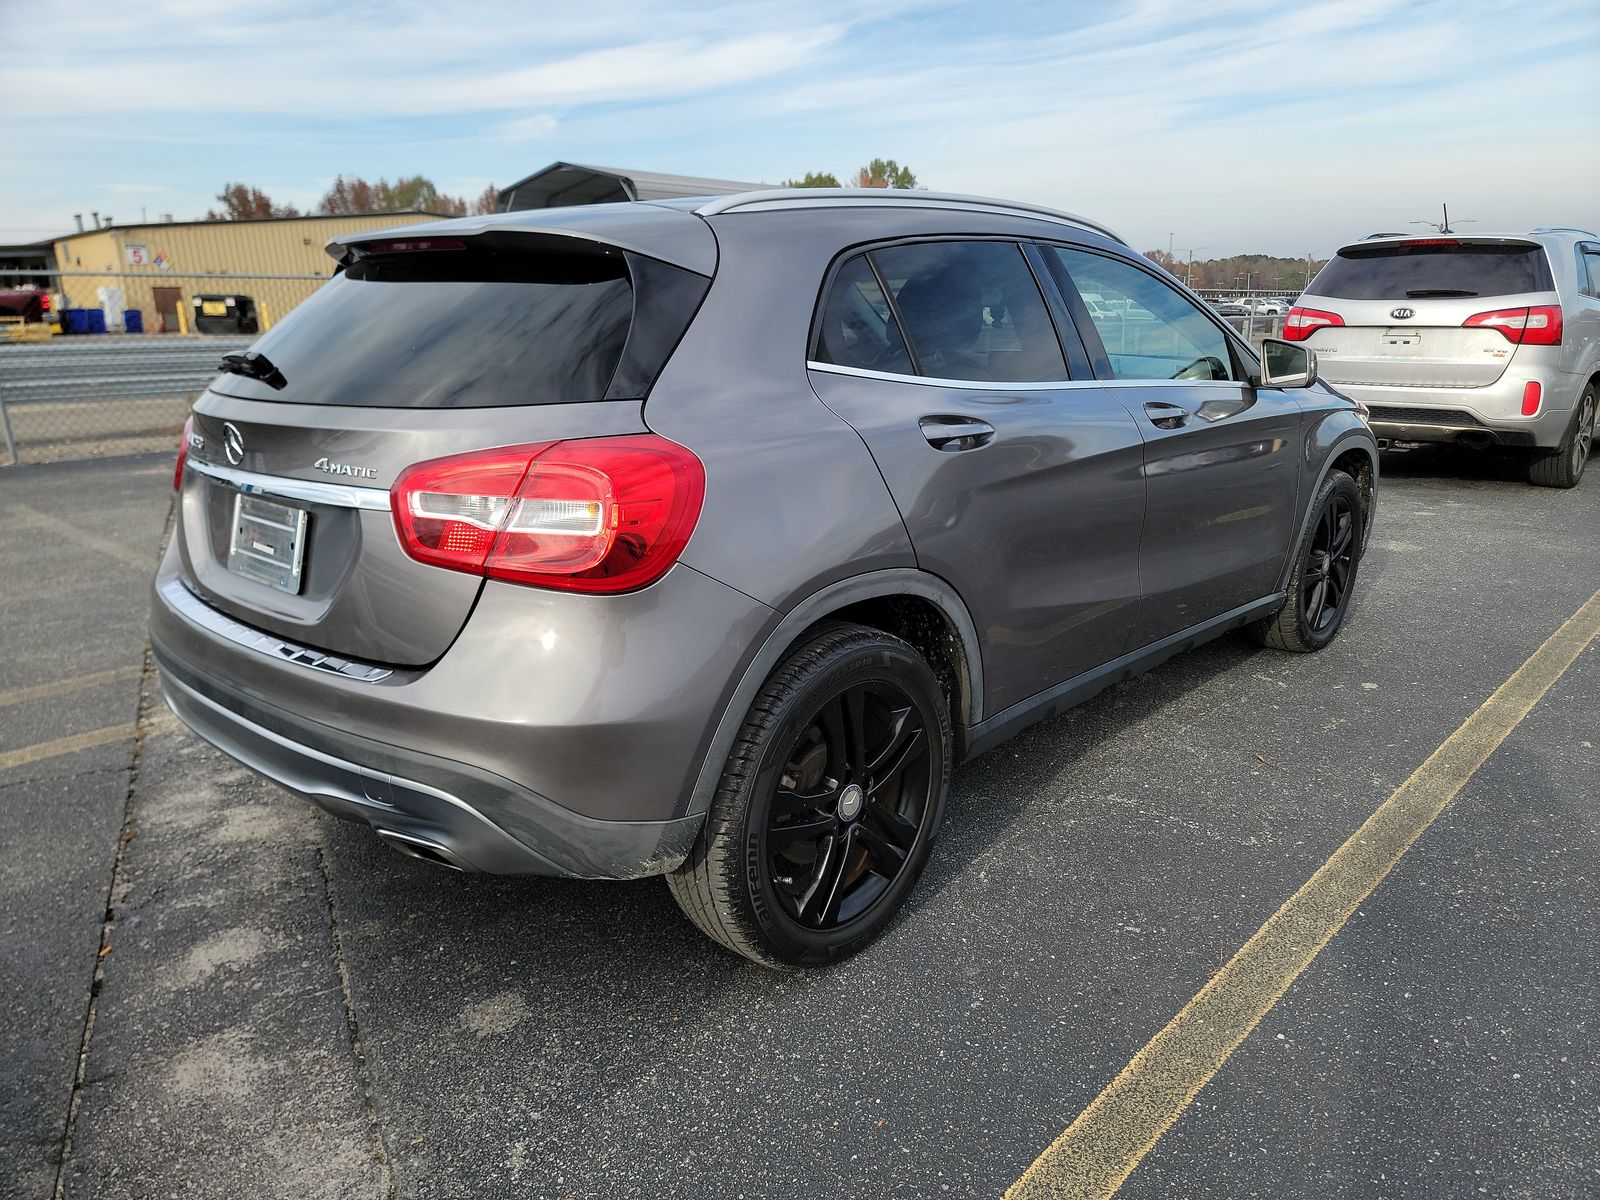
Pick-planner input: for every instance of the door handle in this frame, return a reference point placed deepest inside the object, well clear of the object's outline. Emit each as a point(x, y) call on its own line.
point(956, 433)
point(1166, 416)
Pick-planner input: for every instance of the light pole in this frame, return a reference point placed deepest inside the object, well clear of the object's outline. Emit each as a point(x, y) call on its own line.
point(1188, 275)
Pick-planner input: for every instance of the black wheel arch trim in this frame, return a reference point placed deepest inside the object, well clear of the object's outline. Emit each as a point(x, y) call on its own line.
point(874, 585)
point(1358, 436)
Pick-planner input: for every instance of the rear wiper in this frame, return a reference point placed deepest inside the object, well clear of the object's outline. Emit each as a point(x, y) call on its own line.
point(254, 366)
point(1419, 293)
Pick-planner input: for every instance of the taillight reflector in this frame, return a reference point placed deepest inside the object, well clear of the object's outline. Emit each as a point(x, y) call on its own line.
point(183, 453)
point(1301, 323)
point(1530, 397)
point(1537, 326)
point(594, 515)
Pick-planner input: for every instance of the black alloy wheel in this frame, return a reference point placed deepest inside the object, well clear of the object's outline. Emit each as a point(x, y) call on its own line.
point(849, 803)
point(1330, 566)
point(1322, 580)
point(828, 805)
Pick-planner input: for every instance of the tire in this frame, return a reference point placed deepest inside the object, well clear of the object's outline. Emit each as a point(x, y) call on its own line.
point(1563, 467)
point(817, 833)
point(1329, 552)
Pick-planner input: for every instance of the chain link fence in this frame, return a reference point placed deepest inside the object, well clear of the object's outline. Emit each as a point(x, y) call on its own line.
point(100, 364)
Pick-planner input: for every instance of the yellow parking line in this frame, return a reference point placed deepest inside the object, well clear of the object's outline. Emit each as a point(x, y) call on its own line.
point(63, 686)
point(87, 541)
point(66, 745)
point(1101, 1148)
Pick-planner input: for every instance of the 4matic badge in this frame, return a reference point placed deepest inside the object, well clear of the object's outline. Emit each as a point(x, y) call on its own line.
point(337, 468)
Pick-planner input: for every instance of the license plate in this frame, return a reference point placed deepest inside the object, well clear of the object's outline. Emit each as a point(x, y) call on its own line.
point(268, 543)
point(213, 308)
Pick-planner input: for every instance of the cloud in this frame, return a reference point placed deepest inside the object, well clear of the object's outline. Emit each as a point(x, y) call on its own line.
point(527, 129)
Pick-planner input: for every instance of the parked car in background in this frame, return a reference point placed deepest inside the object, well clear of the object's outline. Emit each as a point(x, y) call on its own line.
point(1229, 308)
point(1476, 339)
point(706, 537)
point(30, 303)
point(225, 314)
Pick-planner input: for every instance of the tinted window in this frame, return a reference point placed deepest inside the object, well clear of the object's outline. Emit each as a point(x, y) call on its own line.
point(1396, 272)
point(972, 310)
point(858, 330)
point(1591, 279)
point(453, 329)
point(1149, 330)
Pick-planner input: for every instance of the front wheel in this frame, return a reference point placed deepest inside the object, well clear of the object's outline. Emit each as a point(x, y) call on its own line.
point(828, 804)
point(1324, 575)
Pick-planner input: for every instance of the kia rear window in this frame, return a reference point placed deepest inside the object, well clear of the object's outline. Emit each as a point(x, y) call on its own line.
point(464, 327)
point(1436, 270)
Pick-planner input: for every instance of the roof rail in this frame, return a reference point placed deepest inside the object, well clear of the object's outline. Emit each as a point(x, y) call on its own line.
point(862, 197)
point(1564, 229)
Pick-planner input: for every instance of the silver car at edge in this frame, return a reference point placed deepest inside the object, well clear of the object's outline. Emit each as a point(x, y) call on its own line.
point(1474, 339)
point(705, 537)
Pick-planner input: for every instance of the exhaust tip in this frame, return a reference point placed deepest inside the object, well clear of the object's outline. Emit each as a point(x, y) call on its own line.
point(413, 846)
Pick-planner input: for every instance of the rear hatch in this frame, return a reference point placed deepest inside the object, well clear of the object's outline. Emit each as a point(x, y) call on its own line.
point(1424, 312)
point(420, 347)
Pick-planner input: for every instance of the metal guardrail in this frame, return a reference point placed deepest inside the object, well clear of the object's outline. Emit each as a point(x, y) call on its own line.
point(93, 397)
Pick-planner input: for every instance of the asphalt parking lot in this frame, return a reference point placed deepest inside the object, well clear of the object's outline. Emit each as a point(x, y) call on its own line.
point(216, 991)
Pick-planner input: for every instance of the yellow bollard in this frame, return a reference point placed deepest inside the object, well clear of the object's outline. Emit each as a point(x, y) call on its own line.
point(266, 317)
point(183, 314)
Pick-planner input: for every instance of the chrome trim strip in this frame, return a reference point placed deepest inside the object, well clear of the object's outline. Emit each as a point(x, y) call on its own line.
point(335, 494)
point(779, 198)
point(189, 606)
point(991, 385)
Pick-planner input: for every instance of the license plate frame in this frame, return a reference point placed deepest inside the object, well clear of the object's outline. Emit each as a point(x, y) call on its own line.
point(267, 544)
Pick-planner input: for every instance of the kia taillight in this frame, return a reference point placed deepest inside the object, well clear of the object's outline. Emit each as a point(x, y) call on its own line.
point(1538, 326)
point(1301, 323)
point(183, 453)
point(594, 515)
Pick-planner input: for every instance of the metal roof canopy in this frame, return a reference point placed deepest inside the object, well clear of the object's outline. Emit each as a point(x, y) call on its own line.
point(563, 184)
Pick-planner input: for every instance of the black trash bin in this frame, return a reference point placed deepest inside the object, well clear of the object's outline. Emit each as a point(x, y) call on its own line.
point(225, 314)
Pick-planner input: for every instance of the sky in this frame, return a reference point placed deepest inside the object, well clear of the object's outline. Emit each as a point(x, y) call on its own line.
point(1222, 126)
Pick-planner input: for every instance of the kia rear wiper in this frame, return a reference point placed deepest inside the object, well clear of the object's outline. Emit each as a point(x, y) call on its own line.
point(254, 366)
point(1419, 293)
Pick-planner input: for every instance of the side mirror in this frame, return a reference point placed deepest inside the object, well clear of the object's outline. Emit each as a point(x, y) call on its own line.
point(1286, 365)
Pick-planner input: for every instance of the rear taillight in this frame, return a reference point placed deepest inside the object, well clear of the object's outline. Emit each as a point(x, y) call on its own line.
point(1538, 326)
point(1301, 323)
point(44, 302)
point(183, 453)
point(595, 515)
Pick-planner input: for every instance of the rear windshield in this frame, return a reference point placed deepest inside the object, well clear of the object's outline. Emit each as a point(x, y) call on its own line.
point(467, 328)
point(1396, 272)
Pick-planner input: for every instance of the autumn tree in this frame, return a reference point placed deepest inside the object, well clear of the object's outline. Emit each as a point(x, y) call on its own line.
point(814, 179)
point(240, 202)
point(350, 194)
point(488, 201)
point(885, 173)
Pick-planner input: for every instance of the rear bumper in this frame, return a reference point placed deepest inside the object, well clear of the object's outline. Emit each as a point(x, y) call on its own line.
point(431, 807)
point(560, 734)
point(1488, 416)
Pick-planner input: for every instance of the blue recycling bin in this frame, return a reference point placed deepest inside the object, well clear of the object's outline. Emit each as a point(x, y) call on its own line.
point(75, 320)
point(96, 320)
point(133, 321)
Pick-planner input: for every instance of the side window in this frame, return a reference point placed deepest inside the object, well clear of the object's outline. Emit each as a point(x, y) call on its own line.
point(1591, 260)
point(858, 330)
point(1149, 330)
point(972, 310)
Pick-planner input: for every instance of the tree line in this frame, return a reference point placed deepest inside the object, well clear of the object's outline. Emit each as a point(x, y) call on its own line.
point(1242, 272)
point(350, 194)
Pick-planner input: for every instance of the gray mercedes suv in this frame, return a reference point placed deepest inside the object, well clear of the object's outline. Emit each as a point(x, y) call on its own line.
point(1478, 340)
point(705, 537)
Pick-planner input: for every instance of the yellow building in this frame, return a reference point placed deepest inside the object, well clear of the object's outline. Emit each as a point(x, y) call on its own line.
point(159, 270)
